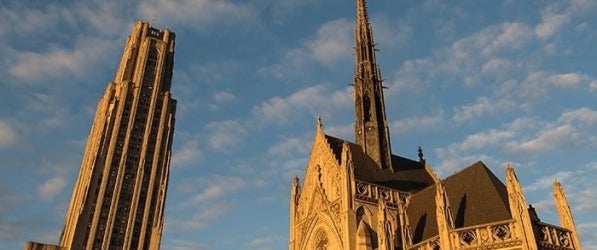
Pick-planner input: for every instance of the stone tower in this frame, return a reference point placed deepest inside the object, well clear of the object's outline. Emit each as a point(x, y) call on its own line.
point(371, 126)
point(359, 196)
point(118, 199)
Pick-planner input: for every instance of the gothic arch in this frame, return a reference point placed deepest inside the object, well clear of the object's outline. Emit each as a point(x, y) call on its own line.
point(364, 213)
point(323, 233)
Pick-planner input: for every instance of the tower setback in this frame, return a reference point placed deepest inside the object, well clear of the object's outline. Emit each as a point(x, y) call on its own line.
point(118, 199)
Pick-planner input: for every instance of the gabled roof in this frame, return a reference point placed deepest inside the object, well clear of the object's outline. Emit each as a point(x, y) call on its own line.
point(407, 175)
point(475, 194)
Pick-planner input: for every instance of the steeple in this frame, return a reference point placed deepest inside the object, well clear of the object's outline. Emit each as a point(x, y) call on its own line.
point(371, 128)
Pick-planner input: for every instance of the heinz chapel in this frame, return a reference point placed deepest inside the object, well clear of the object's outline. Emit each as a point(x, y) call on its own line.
point(359, 196)
point(353, 196)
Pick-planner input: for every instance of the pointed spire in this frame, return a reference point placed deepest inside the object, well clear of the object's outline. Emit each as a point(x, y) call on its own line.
point(445, 223)
point(564, 213)
point(371, 128)
point(519, 209)
point(319, 123)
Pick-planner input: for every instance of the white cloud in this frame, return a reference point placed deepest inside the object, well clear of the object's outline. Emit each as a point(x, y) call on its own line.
point(340, 131)
point(578, 188)
point(290, 147)
point(291, 62)
point(193, 11)
point(485, 139)
point(220, 98)
point(546, 182)
point(223, 97)
point(582, 116)
point(507, 36)
point(461, 61)
point(186, 154)
point(491, 40)
point(263, 243)
point(223, 135)
point(183, 245)
point(482, 106)
point(49, 109)
point(57, 62)
point(208, 200)
point(204, 215)
point(313, 99)
point(496, 66)
point(574, 128)
point(551, 23)
point(29, 21)
point(538, 84)
point(449, 164)
point(8, 135)
point(333, 41)
point(415, 123)
point(52, 187)
point(284, 10)
point(389, 33)
point(217, 187)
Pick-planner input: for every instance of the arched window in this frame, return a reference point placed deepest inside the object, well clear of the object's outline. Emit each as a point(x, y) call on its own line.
point(321, 241)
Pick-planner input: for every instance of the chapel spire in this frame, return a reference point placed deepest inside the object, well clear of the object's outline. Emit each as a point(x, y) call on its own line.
point(371, 128)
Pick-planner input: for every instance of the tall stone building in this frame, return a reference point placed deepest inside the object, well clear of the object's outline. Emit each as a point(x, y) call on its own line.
point(359, 196)
point(118, 199)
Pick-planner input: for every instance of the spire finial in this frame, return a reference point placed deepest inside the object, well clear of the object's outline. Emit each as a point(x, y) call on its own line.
point(362, 11)
point(319, 123)
point(421, 157)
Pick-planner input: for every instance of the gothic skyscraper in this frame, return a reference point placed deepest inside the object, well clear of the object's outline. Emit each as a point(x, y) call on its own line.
point(118, 199)
point(359, 196)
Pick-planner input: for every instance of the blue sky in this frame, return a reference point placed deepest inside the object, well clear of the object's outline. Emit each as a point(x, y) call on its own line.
point(497, 81)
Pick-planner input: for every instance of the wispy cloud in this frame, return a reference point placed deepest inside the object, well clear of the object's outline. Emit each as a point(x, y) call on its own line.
point(578, 188)
point(217, 187)
point(333, 41)
point(202, 12)
point(317, 99)
point(221, 98)
point(223, 135)
point(552, 21)
point(573, 129)
point(263, 243)
point(59, 61)
point(204, 215)
point(415, 123)
point(8, 134)
point(187, 153)
point(51, 187)
point(184, 245)
point(482, 106)
point(524, 136)
point(210, 200)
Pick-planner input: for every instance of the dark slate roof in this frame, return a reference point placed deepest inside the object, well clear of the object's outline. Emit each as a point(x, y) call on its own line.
point(407, 175)
point(476, 197)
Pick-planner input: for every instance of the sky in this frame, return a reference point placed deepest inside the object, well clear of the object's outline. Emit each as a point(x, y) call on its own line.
point(497, 81)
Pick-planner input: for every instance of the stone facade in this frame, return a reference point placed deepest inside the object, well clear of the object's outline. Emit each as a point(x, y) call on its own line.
point(118, 199)
point(358, 196)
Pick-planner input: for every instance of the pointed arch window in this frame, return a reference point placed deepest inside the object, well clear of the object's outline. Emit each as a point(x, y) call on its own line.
point(366, 108)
